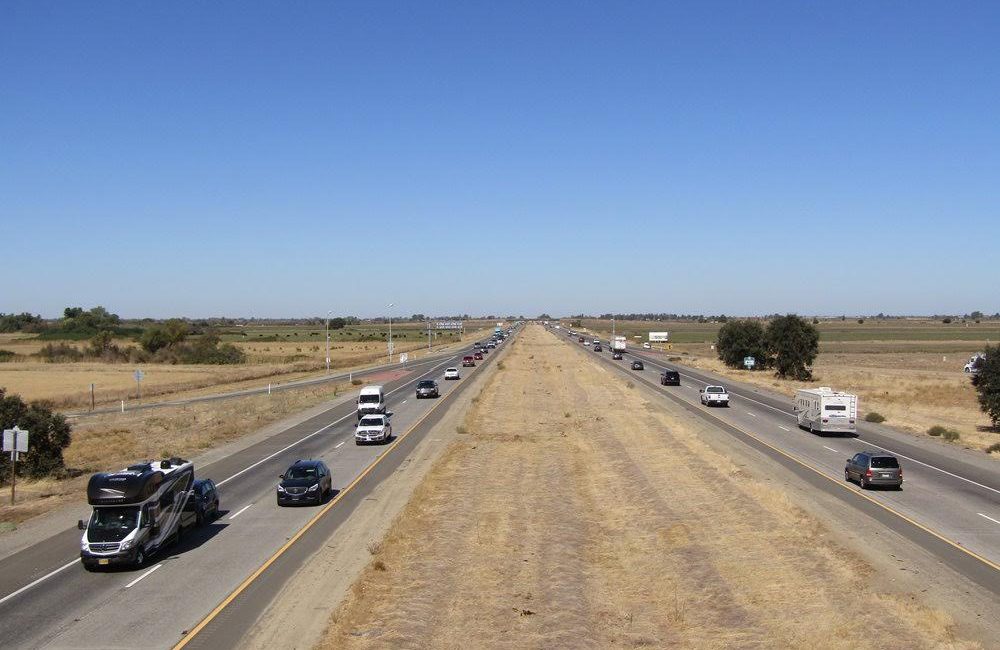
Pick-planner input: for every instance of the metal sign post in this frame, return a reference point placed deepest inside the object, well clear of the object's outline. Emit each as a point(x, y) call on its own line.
point(138, 383)
point(16, 442)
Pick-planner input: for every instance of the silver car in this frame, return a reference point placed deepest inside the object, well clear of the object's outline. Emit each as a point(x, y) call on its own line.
point(427, 388)
point(870, 468)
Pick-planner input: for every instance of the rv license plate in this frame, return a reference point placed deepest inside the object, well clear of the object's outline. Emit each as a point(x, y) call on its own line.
point(104, 561)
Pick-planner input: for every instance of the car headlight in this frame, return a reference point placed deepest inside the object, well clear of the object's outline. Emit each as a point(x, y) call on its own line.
point(281, 489)
point(83, 545)
point(313, 488)
point(127, 544)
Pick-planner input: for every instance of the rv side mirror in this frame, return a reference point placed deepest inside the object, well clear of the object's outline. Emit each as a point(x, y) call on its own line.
point(81, 525)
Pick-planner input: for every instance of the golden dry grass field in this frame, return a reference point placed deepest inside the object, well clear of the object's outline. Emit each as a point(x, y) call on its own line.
point(557, 522)
point(67, 385)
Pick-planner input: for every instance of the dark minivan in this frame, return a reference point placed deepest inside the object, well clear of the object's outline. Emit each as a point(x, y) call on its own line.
point(204, 500)
point(870, 469)
point(670, 378)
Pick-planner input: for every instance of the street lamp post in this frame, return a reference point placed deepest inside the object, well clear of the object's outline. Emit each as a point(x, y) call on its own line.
point(328, 314)
point(612, 328)
point(390, 332)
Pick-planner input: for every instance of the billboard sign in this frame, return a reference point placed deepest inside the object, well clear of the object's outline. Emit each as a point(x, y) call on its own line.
point(659, 337)
point(449, 325)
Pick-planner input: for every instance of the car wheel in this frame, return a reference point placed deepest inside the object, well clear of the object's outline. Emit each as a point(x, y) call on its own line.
point(140, 558)
point(862, 483)
point(847, 476)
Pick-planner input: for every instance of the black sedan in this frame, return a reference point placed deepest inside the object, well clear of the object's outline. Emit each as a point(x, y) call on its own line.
point(637, 365)
point(306, 481)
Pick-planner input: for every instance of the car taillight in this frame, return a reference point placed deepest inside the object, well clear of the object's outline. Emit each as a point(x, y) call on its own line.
point(868, 473)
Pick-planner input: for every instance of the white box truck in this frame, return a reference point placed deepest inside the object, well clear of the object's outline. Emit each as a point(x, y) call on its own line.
point(618, 344)
point(825, 410)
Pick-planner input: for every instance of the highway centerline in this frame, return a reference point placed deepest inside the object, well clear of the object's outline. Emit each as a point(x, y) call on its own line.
point(136, 581)
point(239, 512)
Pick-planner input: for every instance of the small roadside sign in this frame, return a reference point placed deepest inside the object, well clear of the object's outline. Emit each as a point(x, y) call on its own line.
point(139, 375)
point(749, 362)
point(403, 357)
point(15, 440)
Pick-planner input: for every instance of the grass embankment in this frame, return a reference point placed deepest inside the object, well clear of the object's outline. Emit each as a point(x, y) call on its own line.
point(555, 521)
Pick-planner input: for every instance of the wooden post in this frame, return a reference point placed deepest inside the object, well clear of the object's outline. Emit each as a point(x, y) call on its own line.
point(91, 397)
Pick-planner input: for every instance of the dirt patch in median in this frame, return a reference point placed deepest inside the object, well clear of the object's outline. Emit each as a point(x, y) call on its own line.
point(574, 513)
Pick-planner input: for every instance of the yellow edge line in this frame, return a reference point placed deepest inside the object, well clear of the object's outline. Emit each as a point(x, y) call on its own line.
point(838, 483)
point(281, 551)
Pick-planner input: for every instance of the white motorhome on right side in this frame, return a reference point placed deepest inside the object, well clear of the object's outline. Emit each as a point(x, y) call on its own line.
point(826, 411)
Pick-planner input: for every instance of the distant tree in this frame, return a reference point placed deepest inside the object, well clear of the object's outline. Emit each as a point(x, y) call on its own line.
point(722, 318)
point(176, 331)
point(861, 321)
point(154, 339)
point(49, 434)
point(742, 338)
point(72, 312)
point(976, 315)
point(793, 344)
point(986, 379)
point(337, 323)
point(946, 320)
point(815, 321)
point(544, 317)
point(23, 322)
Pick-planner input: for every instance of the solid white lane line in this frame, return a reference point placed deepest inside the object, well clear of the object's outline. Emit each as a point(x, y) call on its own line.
point(751, 414)
point(32, 584)
point(792, 415)
point(831, 449)
point(239, 512)
point(318, 431)
point(136, 581)
point(339, 444)
point(783, 428)
point(988, 517)
point(403, 402)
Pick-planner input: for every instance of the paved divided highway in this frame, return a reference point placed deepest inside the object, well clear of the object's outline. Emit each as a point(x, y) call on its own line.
point(48, 600)
point(950, 502)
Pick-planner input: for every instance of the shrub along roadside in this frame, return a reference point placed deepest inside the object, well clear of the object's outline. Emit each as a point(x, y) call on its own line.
point(49, 434)
point(874, 417)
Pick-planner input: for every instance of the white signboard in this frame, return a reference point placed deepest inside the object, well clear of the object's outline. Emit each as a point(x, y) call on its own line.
point(15, 440)
point(659, 337)
point(449, 325)
point(749, 362)
point(403, 357)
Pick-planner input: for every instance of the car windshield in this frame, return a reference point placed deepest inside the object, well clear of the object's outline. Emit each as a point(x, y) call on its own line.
point(426, 384)
point(451, 370)
point(369, 398)
point(884, 462)
point(302, 471)
point(114, 519)
point(716, 389)
point(370, 422)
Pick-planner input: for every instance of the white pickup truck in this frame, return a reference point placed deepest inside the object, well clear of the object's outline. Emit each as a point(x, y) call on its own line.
point(714, 396)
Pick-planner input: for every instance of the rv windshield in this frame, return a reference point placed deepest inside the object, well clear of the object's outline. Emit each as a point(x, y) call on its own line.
point(367, 399)
point(113, 524)
point(835, 407)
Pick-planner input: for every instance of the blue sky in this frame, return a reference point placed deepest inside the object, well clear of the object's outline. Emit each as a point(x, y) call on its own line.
point(283, 159)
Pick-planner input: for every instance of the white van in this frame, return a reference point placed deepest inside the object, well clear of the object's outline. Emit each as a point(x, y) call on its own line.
point(371, 399)
point(826, 410)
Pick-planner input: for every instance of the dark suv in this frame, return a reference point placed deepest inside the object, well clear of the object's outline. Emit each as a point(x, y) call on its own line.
point(427, 388)
point(670, 378)
point(204, 500)
point(304, 482)
point(870, 468)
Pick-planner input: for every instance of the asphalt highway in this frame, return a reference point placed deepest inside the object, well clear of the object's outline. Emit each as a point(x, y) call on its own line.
point(950, 501)
point(48, 600)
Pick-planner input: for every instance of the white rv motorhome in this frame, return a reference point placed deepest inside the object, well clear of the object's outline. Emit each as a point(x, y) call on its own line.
point(137, 511)
point(826, 410)
point(371, 400)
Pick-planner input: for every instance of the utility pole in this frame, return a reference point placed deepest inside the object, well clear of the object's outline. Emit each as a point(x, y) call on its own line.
point(390, 332)
point(328, 341)
point(428, 335)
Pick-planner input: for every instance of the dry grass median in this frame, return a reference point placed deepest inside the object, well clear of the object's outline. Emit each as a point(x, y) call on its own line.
point(573, 513)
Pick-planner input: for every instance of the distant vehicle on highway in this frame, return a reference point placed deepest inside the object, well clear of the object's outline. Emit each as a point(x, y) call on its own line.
point(451, 373)
point(714, 396)
point(468, 361)
point(581, 340)
point(871, 469)
point(974, 364)
point(618, 344)
point(617, 356)
point(371, 399)
point(637, 365)
point(670, 378)
point(647, 346)
point(204, 500)
point(597, 341)
point(587, 343)
point(137, 511)
point(478, 356)
point(598, 348)
point(373, 428)
point(305, 481)
point(825, 410)
point(427, 388)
